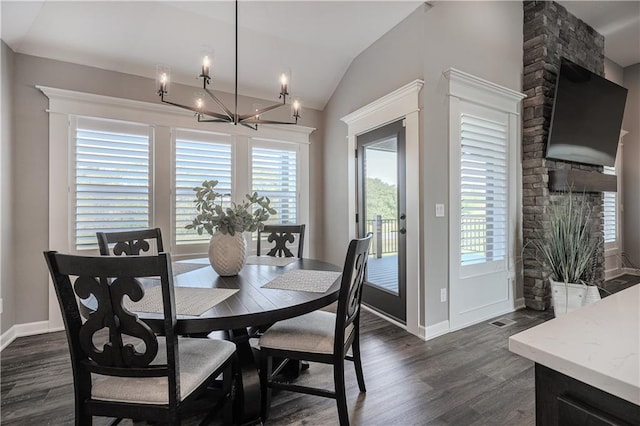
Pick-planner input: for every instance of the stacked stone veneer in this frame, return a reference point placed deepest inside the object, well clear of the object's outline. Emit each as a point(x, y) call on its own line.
point(550, 33)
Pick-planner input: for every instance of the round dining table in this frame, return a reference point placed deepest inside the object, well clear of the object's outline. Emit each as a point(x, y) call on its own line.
point(250, 307)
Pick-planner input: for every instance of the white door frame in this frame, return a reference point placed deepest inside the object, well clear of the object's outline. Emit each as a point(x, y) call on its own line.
point(399, 104)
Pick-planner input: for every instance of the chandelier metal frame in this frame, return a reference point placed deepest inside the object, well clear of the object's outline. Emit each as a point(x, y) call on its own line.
point(250, 120)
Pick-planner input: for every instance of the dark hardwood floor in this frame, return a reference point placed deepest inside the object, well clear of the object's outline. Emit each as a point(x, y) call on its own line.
point(467, 377)
point(463, 378)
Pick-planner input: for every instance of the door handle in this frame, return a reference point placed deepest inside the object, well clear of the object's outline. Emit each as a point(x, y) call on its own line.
point(403, 216)
point(403, 231)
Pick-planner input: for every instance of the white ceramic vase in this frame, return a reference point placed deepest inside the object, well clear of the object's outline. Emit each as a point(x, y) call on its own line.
point(227, 253)
point(567, 297)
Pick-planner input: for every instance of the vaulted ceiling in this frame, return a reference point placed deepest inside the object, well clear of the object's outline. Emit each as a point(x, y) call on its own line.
point(315, 41)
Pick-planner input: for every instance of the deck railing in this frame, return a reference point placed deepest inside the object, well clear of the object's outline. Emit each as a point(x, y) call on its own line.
point(385, 235)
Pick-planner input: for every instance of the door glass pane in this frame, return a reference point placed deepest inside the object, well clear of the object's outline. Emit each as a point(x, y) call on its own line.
point(380, 167)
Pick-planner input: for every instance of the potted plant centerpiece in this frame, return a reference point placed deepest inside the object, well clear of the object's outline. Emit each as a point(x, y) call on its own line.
point(226, 225)
point(566, 250)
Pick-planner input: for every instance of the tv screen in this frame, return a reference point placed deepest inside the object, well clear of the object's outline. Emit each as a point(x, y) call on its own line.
point(586, 118)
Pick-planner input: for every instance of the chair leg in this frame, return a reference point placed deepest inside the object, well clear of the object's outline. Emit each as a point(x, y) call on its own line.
point(341, 396)
point(357, 362)
point(228, 379)
point(266, 365)
point(84, 419)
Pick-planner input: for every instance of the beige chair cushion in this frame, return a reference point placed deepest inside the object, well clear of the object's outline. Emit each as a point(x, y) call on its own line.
point(312, 333)
point(198, 358)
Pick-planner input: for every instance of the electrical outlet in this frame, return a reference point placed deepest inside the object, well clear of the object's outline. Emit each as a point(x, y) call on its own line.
point(1, 306)
point(439, 210)
point(443, 294)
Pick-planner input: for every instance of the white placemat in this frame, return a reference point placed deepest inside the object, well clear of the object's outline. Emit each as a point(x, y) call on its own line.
point(304, 280)
point(270, 260)
point(183, 267)
point(189, 300)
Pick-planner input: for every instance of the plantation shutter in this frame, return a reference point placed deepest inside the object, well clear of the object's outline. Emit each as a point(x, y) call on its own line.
point(274, 175)
point(483, 190)
point(112, 178)
point(610, 209)
point(199, 156)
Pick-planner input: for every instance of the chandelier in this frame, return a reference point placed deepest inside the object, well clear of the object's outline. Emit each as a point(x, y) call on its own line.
point(203, 114)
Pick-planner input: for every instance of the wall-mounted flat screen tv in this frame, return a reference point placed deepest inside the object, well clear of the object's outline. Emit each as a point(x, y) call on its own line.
point(586, 118)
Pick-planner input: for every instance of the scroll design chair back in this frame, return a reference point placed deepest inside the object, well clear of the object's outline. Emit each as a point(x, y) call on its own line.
point(129, 243)
point(281, 235)
point(321, 337)
point(134, 373)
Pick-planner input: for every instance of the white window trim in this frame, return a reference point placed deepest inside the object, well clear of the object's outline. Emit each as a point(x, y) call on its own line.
point(65, 103)
point(401, 103)
point(613, 250)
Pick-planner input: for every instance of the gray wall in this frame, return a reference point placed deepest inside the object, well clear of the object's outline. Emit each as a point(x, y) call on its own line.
point(7, 319)
point(481, 38)
point(30, 153)
point(613, 71)
point(631, 166)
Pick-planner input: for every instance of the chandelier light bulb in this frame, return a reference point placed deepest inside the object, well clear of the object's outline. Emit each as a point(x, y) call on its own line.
point(164, 79)
point(206, 66)
point(296, 109)
point(283, 85)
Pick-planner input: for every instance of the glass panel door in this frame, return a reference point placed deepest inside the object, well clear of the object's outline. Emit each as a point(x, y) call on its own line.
point(381, 189)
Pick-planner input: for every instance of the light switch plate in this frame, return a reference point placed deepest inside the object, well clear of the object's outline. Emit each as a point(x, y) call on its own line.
point(439, 210)
point(443, 294)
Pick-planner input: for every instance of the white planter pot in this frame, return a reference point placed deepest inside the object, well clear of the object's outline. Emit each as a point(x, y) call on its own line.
point(227, 253)
point(592, 296)
point(567, 297)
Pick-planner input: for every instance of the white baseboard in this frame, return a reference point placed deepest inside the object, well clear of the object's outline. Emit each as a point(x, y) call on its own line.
point(435, 330)
point(23, 330)
point(7, 337)
point(384, 317)
point(630, 271)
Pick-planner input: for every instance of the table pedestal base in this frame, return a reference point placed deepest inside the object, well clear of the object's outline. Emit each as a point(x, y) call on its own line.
point(247, 398)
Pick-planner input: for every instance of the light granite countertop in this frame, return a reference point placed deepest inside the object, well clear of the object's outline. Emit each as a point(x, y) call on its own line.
point(597, 344)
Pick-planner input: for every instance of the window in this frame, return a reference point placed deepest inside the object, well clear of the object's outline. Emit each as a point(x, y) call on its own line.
point(610, 211)
point(274, 173)
point(112, 178)
point(136, 165)
point(483, 190)
point(199, 156)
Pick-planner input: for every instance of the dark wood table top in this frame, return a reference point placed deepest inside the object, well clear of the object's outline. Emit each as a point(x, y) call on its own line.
point(252, 305)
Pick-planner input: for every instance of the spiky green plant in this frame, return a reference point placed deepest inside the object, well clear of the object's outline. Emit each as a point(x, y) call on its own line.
point(566, 248)
point(212, 215)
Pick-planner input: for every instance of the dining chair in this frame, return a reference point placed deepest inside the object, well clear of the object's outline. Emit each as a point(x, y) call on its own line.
point(129, 242)
point(120, 367)
point(281, 235)
point(320, 336)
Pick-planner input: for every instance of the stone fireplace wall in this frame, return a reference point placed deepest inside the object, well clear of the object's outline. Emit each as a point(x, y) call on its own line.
point(550, 33)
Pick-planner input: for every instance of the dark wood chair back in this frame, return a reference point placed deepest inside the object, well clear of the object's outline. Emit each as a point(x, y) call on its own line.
point(350, 296)
point(108, 280)
point(281, 235)
point(129, 242)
